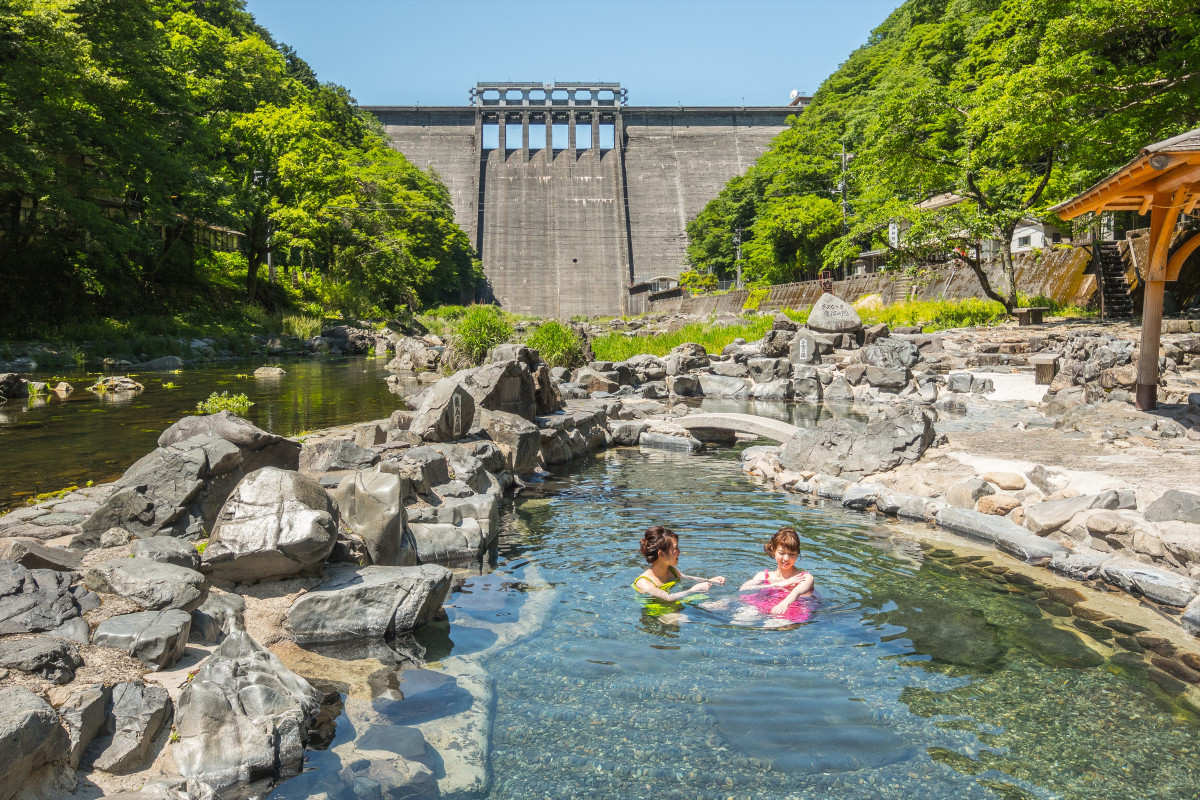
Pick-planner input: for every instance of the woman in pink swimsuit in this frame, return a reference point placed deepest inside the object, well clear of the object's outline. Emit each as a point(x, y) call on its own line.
point(779, 589)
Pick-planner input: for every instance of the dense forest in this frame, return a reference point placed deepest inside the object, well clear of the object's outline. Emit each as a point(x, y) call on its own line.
point(168, 155)
point(1013, 105)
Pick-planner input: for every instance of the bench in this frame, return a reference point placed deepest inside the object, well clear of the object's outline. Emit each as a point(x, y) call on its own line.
point(1045, 368)
point(1030, 316)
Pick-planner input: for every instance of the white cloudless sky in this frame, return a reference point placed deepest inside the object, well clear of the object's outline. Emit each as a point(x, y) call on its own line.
point(664, 52)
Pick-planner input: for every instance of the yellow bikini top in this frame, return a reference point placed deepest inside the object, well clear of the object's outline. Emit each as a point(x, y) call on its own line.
point(666, 587)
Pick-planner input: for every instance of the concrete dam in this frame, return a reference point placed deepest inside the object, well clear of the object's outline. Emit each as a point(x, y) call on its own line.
point(576, 202)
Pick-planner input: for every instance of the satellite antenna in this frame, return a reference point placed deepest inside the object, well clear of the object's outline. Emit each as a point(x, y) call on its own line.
point(795, 93)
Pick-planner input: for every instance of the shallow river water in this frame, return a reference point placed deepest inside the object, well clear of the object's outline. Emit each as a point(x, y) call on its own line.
point(49, 443)
point(920, 675)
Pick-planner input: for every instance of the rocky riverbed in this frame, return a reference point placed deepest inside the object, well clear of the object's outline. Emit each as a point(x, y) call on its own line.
point(146, 625)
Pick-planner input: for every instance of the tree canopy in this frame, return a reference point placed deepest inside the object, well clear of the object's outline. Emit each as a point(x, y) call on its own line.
point(1012, 105)
point(152, 151)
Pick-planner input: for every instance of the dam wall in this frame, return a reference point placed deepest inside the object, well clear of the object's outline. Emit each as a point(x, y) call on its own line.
point(566, 225)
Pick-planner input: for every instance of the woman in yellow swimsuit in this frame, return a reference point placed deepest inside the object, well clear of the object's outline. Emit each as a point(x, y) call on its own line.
point(660, 546)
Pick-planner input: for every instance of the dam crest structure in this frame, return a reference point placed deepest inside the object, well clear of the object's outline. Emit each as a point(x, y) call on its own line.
point(576, 202)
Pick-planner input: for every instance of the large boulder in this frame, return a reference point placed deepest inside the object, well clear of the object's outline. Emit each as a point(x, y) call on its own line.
point(152, 585)
point(516, 435)
point(1175, 505)
point(501, 386)
point(1048, 516)
point(243, 717)
point(178, 488)
point(851, 450)
point(32, 554)
point(30, 737)
point(37, 600)
point(1160, 585)
point(13, 386)
point(371, 507)
point(167, 550)
point(686, 357)
point(138, 714)
point(446, 412)
point(368, 603)
point(276, 524)
point(156, 638)
point(82, 713)
point(414, 355)
point(890, 354)
point(833, 315)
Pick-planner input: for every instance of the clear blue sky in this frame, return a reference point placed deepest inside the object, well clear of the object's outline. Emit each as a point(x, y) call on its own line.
point(695, 52)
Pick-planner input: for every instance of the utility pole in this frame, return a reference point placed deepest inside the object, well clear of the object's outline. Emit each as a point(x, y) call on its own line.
point(845, 203)
point(737, 256)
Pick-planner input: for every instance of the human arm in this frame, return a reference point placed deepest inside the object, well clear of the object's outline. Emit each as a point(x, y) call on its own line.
point(756, 580)
point(717, 580)
point(803, 587)
point(646, 586)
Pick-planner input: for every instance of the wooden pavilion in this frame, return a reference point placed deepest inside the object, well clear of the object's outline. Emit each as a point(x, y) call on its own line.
point(1165, 181)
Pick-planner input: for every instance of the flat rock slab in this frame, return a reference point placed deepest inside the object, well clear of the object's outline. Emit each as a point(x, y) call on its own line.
point(157, 638)
point(1158, 584)
point(137, 716)
point(31, 554)
point(1000, 531)
point(368, 602)
point(1175, 505)
point(167, 550)
point(151, 584)
point(1050, 515)
point(30, 736)
point(50, 657)
point(243, 717)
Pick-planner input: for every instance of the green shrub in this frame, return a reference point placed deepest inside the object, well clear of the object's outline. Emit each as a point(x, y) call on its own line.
point(558, 344)
point(302, 326)
point(480, 329)
point(236, 403)
point(697, 282)
point(713, 338)
point(755, 298)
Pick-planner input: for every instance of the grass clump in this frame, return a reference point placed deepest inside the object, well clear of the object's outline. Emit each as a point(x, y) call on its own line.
point(937, 315)
point(558, 345)
point(480, 329)
point(235, 403)
point(713, 338)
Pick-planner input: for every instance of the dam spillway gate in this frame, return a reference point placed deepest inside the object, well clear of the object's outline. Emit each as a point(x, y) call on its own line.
point(576, 202)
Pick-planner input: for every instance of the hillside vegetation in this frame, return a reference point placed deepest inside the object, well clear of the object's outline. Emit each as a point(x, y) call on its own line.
point(1014, 105)
point(136, 138)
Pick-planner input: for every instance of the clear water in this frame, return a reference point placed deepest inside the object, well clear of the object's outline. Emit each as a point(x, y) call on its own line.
point(917, 677)
point(49, 443)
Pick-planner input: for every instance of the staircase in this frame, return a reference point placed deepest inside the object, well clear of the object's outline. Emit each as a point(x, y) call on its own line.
point(1111, 276)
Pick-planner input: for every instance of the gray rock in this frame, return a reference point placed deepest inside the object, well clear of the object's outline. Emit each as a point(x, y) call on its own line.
point(151, 584)
point(428, 468)
point(1016, 541)
point(890, 502)
point(626, 434)
point(900, 435)
point(243, 694)
point(764, 370)
point(730, 369)
point(860, 496)
point(829, 487)
point(777, 342)
point(663, 441)
point(336, 455)
point(414, 355)
point(1175, 506)
point(368, 603)
point(156, 638)
point(371, 506)
point(450, 543)
point(804, 349)
point(783, 322)
point(270, 372)
point(502, 386)
point(34, 601)
point(258, 447)
point(1158, 584)
point(1190, 620)
point(914, 508)
point(167, 550)
point(222, 614)
point(1045, 481)
point(720, 386)
point(968, 492)
point(115, 537)
point(82, 714)
point(779, 389)
point(838, 391)
point(138, 715)
point(1001, 531)
point(13, 386)
point(981, 385)
point(874, 333)
point(483, 508)
point(1081, 565)
point(30, 737)
point(34, 555)
point(1050, 515)
point(50, 657)
point(684, 385)
point(445, 414)
point(517, 435)
point(958, 382)
point(889, 380)
point(276, 524)
point(833, 315)
point(890, 354)
point(685, 358)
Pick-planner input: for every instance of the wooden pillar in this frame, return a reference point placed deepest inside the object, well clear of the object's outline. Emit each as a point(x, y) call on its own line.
point(1164, 212)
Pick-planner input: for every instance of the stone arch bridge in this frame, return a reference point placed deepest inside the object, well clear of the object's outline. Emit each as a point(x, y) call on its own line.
point(576, 202)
